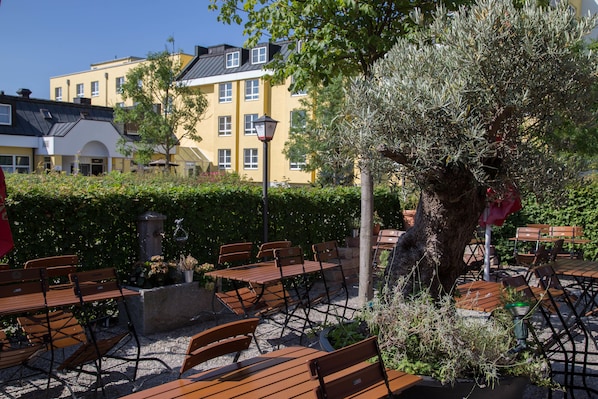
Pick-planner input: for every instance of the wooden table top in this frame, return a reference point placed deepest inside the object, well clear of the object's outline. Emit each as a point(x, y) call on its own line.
point(267, 272)
point(63, 296)
point(576, 267)
point(279, 374)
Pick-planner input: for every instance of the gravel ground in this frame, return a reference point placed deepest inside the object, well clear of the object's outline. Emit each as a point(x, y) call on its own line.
point(170, 347)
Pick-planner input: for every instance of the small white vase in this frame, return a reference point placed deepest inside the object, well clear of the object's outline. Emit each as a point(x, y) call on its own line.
point(188, 275)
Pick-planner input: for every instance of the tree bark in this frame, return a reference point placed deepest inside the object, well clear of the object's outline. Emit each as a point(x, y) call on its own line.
point(431, 252)
point(366, 287)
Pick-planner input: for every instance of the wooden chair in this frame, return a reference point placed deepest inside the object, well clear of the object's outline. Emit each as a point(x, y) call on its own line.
point(233, 337)
point(327, 252)
point(240, 299)
point(526, 235)
point(88, 286)
point(386, 241)
point(266, 250)
point(358, 375)
point(13, 284)
point(57, 269)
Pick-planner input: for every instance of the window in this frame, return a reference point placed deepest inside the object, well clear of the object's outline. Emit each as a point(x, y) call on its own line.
point(258, 55)
point(120, 81)
point(224, 126)
point(5, 114)
point(250, 158)
point(225, 92)
point(95, 88)
point(14, 163)
point(252, 89)
point(58, 93)
point(232, 60)
point(224, 159)
point(298, 92)
point(80, 90)
point(298, 124)
point(120, 104)
point(249, 129)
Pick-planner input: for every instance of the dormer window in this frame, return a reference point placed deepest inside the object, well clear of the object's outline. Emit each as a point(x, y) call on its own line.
point(232, 59)
point(259, 55)
point(45, 113)
point(5, 114)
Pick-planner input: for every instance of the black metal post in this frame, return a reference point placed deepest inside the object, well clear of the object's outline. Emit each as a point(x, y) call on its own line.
point(265, 191)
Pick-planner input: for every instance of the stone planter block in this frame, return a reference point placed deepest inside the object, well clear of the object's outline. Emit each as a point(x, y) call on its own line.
point(166, 308)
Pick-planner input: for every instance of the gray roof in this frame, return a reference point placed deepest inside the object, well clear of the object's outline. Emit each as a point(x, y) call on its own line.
point(211, 61)
point(37, 118)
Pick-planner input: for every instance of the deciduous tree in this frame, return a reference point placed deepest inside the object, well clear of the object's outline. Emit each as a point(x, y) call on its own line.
point(163, 108)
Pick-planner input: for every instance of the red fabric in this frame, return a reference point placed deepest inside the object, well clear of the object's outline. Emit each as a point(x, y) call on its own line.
point(6, 242)
point(497, 211)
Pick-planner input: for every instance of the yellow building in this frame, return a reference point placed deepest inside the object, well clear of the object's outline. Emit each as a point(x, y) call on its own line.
point(232, 78)
point(101, 83)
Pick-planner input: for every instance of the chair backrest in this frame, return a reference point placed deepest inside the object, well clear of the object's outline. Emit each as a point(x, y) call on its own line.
point(326, 252)
point(519, 283)
point(389, 236)
point(232, 337)
point(57, 268)
point(359, 374)
point(17, 282)
point(234, 254)
point(528, 233)
point(547, 277)
point(562, 231)
point(544, 228)
point(288, 256)
point(94, 282)
point(557, 247)
point(266, 250)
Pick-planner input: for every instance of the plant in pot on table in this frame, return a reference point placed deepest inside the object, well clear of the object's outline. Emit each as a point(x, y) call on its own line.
point(458, 355)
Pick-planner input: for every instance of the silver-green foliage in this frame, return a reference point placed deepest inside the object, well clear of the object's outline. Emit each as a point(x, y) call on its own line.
point(483, 89)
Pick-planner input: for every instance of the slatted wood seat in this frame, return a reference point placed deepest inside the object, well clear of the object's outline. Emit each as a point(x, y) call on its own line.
point(361, 376)
point(229, 338)
point(242, 298)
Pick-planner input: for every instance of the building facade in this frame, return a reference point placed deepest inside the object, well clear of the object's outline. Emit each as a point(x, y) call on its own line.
point(234, 80)
point(46, 135)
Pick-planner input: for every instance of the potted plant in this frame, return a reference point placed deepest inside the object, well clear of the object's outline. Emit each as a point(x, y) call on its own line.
point(458, 355)
point(187, 266)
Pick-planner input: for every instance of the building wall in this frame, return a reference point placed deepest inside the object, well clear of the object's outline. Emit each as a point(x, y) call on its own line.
point(274, 101)
point(106, 75)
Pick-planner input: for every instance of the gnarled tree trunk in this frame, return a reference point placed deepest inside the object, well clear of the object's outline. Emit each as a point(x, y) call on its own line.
point(431, 252)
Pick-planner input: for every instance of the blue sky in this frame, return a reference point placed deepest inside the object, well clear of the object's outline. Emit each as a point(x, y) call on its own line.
point(46, 38)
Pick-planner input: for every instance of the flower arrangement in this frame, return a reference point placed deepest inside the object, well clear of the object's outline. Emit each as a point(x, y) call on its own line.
point(200, 272)
point(187, 263)
point(153, 273)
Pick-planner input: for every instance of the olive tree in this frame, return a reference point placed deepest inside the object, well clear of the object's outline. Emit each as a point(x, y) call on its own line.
point(477, 101)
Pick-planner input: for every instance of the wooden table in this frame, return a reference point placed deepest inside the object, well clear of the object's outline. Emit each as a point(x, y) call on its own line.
point(585, 274)
point(281, 374)
point(64, 296)
point(264, 273)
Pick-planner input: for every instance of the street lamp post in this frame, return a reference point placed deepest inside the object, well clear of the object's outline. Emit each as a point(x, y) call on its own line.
point(265, 127)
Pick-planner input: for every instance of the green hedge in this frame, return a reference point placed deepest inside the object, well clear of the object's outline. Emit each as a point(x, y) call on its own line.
point(96, 217)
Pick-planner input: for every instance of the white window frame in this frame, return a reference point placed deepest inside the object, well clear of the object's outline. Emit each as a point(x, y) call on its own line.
point(119, 82)
point(224, 159)
point(301, 164)
point(248, 124)
point(233, 59)
point(259, 55)
point(225, 92)
point(80, 89)
point(252, 89)
point(300, 92)
point(18, 163)
point(5, 114)
point(225, 125)
point(298, 165)
point(250, 157)
point(95, 88)
point(58, 93)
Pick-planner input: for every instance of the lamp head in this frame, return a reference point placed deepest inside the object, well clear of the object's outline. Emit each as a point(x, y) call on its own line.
point(265, 128)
